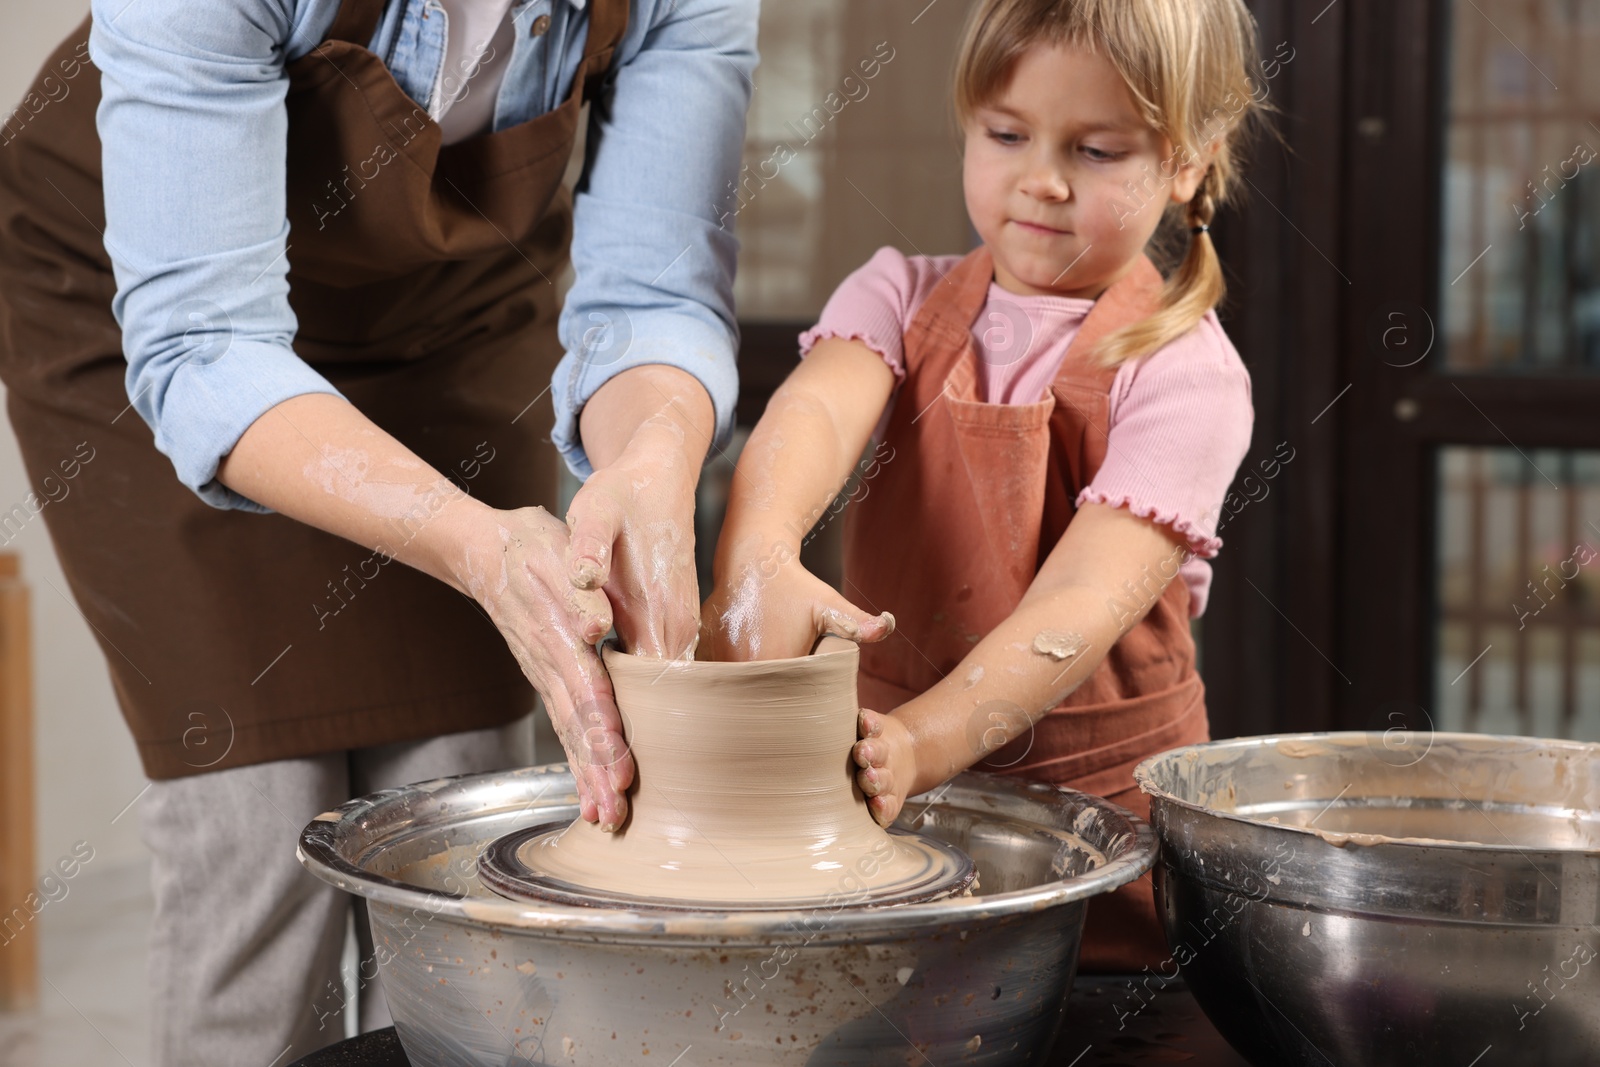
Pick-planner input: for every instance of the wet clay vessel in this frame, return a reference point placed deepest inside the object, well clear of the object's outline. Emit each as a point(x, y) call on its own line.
point(744, 798)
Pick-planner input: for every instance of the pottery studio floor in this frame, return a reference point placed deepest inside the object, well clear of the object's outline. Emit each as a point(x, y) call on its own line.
point(93, 999)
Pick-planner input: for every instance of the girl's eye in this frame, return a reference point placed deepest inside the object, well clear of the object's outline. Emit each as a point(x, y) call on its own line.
point(1004, 137)
point(1100, 155)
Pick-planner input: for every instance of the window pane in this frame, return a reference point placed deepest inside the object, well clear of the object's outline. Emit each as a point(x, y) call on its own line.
point(1520, 274)
point(1518, 580)
point(850, 146)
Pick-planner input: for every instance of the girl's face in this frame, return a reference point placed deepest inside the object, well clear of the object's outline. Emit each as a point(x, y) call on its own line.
point(1064, 180)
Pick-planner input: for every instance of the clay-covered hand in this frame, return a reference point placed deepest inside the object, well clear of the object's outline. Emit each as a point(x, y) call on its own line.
point(887, 760)
point(765, 605)
point(516, 567)
point(632, 534)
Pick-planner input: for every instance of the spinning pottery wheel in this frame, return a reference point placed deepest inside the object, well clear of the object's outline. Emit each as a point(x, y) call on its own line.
point(744, 798)
point(505, 932)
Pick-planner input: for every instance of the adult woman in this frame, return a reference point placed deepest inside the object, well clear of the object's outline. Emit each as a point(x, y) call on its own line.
point(331, 229)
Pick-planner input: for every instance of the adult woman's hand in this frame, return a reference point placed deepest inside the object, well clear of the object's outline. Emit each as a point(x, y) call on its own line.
point(317, 459)
point(632, 535)
point(646, 433)
point(515, 564)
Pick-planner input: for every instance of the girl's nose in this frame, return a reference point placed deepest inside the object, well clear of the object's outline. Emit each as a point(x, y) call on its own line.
point(1045, 181)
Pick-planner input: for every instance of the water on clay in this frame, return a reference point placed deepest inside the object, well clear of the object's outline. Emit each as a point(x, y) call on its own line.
point(744, 798)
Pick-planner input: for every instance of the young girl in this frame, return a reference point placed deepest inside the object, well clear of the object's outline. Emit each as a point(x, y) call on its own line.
point(1061, 428)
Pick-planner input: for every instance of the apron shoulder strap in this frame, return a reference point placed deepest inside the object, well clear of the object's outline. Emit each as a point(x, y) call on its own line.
point(356, 21)
point(608, 21)
point(1136, 296)
point(945, 319)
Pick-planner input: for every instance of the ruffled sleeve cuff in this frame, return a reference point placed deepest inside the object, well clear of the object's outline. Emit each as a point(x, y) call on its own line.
point(824, 332)
point(1202, 544)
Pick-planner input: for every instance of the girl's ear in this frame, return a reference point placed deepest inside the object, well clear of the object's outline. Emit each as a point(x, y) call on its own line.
point(1193, 171)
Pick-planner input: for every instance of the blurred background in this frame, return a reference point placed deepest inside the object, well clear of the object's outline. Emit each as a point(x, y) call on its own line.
point(1414, 285)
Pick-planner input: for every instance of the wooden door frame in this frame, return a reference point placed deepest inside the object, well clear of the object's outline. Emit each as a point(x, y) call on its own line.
point(1271, 655)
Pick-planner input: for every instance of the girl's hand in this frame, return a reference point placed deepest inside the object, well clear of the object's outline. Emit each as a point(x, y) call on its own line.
point(765, 605)
point(515, 564)
point(888, 761)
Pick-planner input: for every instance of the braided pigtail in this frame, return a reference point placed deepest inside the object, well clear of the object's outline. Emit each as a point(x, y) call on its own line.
point(1193, 289)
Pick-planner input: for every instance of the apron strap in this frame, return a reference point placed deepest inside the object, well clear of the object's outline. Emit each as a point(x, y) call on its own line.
point(947, 314)
point(608, 21)
point(356, 21)
point(1136, 296)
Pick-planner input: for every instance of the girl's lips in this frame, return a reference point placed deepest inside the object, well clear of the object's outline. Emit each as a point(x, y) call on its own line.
point(1034, 227)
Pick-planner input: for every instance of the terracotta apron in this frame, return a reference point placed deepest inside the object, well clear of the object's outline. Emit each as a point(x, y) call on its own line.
point(987, 490)
point(426, 298)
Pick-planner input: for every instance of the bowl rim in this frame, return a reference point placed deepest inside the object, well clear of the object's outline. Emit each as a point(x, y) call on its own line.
point(1146, 769)
point(318, 851)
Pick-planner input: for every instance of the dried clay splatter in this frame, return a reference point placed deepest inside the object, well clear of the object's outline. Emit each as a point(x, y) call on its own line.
point(1058, 644)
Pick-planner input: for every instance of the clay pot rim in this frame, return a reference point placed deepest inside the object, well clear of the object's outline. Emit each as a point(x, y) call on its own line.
point(1130, 844)
point(827, 648)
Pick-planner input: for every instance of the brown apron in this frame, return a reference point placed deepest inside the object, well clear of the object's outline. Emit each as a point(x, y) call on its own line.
point(427, 298)
point(990, 489)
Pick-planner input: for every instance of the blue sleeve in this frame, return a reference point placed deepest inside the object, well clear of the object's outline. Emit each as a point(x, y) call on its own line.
point(193, 128)
point(653, 261)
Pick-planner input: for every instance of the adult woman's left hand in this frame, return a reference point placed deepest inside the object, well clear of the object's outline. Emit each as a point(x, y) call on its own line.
point(632, 529)
point(646, 433)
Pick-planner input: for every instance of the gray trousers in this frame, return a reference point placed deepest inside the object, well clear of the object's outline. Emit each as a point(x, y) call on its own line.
point(246, 945)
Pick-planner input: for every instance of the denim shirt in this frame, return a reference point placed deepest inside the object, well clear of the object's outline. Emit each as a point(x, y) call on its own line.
point(193, 128)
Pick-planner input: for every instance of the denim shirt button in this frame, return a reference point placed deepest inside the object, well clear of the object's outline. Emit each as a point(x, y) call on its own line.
point(539, 26)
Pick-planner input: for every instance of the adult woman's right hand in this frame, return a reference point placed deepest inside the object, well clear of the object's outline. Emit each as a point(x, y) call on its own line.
point(514, 564)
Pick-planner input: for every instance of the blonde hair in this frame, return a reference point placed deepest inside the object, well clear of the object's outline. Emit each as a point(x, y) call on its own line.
point(1188, 65)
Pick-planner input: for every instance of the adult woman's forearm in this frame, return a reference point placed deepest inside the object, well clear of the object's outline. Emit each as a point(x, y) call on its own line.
point(317, 459)
point(654, 391)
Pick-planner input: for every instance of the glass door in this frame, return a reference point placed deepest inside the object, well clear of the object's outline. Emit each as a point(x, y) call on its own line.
point(1472, 501)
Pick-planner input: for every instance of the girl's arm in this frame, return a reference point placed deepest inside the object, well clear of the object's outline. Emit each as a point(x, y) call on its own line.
point(763, 604)
point(1076, 608)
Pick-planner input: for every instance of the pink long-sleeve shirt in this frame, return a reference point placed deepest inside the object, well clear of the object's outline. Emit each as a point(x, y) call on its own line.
point(1179, 421)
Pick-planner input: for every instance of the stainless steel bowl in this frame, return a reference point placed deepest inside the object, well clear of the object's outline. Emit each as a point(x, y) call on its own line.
point(476, 980)
point(1374, 899)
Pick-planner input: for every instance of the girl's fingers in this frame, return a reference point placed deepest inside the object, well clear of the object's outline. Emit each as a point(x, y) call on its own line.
point(876, 628)
point(840, 617)
point(885, 809)
point(870, 724)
